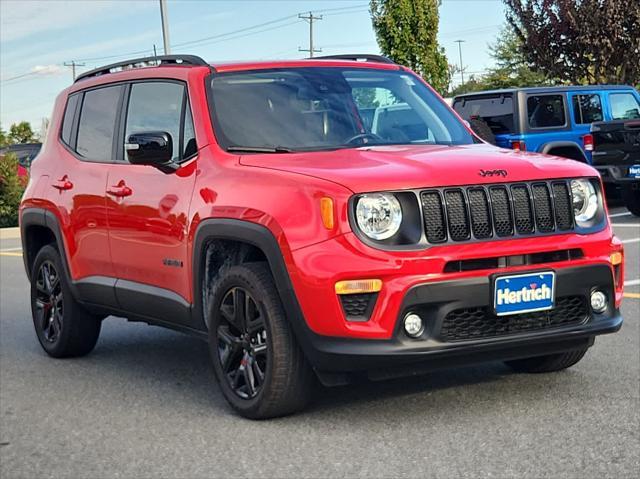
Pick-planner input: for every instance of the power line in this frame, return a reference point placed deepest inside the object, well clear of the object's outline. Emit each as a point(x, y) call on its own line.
point(73, 66)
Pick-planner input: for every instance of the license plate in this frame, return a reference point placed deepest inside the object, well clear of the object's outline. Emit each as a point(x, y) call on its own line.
point(524, 293)
point(634, 171)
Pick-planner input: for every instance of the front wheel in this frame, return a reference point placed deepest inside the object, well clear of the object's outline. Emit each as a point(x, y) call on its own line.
point(549, 363)
point(260, 368)
point(631, 198)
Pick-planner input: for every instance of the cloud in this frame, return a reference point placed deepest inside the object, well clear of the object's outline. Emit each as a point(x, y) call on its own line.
point(47, 69)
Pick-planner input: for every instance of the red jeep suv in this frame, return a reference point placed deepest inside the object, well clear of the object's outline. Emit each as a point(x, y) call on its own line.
point(325, 218)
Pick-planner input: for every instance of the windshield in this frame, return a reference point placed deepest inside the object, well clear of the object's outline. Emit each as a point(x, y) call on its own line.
point(329, 108)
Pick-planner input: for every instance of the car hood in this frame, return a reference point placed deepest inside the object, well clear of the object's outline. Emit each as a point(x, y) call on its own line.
point(411, 166)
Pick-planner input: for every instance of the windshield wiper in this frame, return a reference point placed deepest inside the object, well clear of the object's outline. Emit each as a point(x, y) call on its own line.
point(259, 149)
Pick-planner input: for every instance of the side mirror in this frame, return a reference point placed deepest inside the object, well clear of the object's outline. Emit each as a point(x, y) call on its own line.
point(154, 148)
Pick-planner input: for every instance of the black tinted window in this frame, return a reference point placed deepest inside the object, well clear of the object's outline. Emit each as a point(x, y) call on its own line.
point(545, 111)
point(587, 108)
point(156, 106)
point(495, 111)
point(97, 123)
point(69, 114)
point(190, 148)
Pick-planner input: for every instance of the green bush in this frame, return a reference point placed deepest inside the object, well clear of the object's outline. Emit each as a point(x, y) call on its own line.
point(11, 189)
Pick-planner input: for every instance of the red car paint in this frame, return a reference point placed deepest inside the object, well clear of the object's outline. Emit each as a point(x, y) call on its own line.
point(128, 236)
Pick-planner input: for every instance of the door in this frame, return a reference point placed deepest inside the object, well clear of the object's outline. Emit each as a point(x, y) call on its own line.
point(148, 209)
point(85, 153)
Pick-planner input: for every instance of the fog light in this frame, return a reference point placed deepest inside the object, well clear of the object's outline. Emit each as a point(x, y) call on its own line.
point(598, 301)
point(413, 325)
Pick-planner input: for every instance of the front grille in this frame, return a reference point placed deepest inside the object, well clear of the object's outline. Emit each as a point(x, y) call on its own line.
point(503, 211)
point(476, 323)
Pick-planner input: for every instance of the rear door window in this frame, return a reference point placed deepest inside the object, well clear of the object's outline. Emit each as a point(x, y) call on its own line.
point(97, 123)
point(546, 111)
point(496, 111)
point(624, 106)
point(587, 108)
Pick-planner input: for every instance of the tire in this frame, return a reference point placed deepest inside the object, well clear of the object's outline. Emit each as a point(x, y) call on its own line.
point(483, 130)
point(258, 364)
point(631, 198)
point(63, 327)
point(547, 364)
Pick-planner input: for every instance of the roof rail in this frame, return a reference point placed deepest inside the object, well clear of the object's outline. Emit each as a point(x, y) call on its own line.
point(187, 60)
point(356, 57)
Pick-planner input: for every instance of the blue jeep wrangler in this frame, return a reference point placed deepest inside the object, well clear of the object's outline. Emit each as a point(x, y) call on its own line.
point(552, 120)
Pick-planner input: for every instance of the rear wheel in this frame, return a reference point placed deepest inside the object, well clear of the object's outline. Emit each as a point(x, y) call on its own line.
point(631, 198)
point(64, 328)
point(260, 368)
point(549, 363)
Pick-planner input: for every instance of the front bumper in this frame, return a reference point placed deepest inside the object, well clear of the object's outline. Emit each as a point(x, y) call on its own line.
point(436, 300)
point(417, 281)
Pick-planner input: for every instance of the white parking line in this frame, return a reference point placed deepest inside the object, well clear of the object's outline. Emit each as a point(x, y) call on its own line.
point(616, 215)
point(626, 225)
point(632, 282)
point(634, 240)
point(10, 249)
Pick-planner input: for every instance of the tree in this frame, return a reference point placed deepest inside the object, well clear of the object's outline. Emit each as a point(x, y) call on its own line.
point(21, 133)
point(580, 41)
point(11, 189)
point(4, 138)
point(407, 31)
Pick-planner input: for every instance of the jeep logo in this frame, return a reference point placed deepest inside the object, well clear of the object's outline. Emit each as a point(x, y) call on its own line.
point(484, 173)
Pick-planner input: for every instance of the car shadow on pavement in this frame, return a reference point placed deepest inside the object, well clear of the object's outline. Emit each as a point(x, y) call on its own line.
point(155, 361)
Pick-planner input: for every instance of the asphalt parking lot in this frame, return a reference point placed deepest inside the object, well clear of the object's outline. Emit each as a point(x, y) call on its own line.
point(144, 404)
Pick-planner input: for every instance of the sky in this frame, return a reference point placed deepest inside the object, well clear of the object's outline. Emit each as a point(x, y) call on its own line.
point(37, 37)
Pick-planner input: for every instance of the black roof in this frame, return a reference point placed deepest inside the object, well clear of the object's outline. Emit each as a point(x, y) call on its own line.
point(547, 89)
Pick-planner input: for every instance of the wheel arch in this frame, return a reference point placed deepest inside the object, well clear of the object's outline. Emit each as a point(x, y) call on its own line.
point(38, 228)
point(262, 240)
point(566, 145)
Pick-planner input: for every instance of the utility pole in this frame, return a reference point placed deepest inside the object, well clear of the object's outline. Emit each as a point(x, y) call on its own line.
point(165, 26)
point(460, 42)
point(310, 18)
point(73, 66)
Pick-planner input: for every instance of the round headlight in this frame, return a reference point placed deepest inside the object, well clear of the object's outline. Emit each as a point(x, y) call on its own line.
point(379, 215)
point(585, 200)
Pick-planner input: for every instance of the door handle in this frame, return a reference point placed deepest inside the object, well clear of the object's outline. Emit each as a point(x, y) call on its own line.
point(120, 190)
point(63, 184)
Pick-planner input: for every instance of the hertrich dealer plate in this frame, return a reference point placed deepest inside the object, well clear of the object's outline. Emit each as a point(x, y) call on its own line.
point(524, 293)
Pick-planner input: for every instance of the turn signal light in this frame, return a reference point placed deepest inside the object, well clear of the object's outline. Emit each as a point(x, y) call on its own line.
point(616, 258)
point(359, 286)
point(587, 141)
point(518, 145)
point(326, 212)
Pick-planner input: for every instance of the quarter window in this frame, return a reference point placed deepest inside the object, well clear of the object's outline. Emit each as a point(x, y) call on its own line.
point(587, 108)
point(545, 111)
point(97, 123)
point(156, 106)
point(624, 106)
point(69, 115)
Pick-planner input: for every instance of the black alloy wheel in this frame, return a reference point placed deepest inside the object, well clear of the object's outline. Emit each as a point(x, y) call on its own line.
point(49, 305)
point(243, 348)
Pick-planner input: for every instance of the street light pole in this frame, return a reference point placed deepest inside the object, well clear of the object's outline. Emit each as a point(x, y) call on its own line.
point(165, 26)
point(460, 42)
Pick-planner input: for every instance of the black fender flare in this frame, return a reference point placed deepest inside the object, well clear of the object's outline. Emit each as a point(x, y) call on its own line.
point(563, 144)
point(45, 218)
point(256, 235)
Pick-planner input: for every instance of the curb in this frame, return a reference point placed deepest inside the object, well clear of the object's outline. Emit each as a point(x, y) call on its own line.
point(9, 233)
